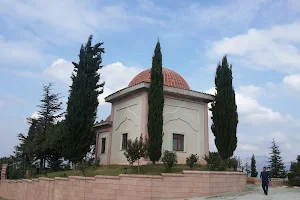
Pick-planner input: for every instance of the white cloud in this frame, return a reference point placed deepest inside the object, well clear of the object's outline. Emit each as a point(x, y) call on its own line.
point(259, 125)
point(20, 52)
point(251, 91)
point(292, 81)
point(265, 49)
point(233, 12)
point(278, 137)
point(246, 147)
point(61, 70)
point(250, 111)
point(35, 115)
point(57, 24)
point(116, 75)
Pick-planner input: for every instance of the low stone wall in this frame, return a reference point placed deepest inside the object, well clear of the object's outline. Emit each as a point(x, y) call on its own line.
point(275, 182)
point(133, 187)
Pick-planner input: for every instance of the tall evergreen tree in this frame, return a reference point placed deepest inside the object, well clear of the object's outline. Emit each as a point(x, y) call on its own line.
point(48, 114)
point(54, 143)
point(254, 173)
point(277, 169)
point(224, 111)
point(83, 101)
point(155, 107)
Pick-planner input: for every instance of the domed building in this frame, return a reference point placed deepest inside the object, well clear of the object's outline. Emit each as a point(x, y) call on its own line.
point(185, 126)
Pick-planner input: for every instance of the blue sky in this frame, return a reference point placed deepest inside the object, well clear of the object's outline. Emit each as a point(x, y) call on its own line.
point(38, 40)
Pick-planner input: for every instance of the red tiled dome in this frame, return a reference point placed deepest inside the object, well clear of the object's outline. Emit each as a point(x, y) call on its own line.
point(171, 79)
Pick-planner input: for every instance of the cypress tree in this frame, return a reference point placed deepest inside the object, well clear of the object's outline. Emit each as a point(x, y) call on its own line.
point(83, 102)
point(224, 111)
point(254, 173)
point(155, 107)
point(277, 169)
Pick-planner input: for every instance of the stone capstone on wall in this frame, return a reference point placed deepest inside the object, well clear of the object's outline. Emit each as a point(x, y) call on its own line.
point(133, 187)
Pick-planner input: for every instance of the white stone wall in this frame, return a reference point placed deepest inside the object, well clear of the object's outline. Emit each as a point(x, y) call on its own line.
point(127, 119)
point(104, 156)
point(187, 118)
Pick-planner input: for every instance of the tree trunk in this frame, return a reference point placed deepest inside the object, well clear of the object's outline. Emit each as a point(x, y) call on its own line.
point(73, 165)
point(138, 166)
point(41, 164)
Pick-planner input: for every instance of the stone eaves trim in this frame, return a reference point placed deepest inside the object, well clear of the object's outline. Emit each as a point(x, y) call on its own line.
point(172, 91)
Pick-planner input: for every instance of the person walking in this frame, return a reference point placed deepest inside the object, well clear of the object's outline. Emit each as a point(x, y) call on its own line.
point(265, 177)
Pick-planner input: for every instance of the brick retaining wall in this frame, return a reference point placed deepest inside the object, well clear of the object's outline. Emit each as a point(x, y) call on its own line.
point(133, 187)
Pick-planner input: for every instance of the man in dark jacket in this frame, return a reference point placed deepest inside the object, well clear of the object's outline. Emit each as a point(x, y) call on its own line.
point(265, 177)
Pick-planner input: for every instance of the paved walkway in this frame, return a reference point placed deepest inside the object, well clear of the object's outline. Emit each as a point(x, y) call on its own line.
point(256, 193)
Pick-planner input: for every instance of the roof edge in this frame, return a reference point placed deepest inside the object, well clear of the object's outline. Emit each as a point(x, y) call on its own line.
point(189, 94)
point(103, 123)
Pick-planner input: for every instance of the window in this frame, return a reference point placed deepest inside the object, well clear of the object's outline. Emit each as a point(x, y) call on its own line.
point(103, 143)
point(124, 141)
point(178, 142)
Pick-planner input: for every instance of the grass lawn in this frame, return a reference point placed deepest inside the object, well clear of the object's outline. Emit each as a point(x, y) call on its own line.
point(115, 170)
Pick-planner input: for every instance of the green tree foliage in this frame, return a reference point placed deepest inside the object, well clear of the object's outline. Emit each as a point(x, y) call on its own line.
point(136, 150)
point(224, 111)
point(254, 173)
point(192, 160)
point(295, 181)
point(83, 102)
point(292, 175)
point(295, 172)
point(54, 143)
point(155, 107)
point(214, 162)
point(49, 108)
point(232, 163)
point(277, 169)
point(295, 166)
point(32, 148)
point(169, 159)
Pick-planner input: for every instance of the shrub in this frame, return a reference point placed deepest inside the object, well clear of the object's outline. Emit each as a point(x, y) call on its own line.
point(292, 175)
point(233, 163)
point(192, 160)
point(214, 162)
point(136, 150)
point(83, 166)
point(295, 181)
point(96, 164)
point(67, 167)
point(169, 159)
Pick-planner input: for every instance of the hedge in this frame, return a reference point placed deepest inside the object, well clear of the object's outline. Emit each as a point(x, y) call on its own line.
point(295, 181)
point(292, 175)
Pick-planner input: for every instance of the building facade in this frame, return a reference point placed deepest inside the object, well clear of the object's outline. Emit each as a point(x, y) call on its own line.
point(185, 126)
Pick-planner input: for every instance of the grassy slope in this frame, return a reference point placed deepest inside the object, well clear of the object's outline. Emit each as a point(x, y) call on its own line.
point(115, 170)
